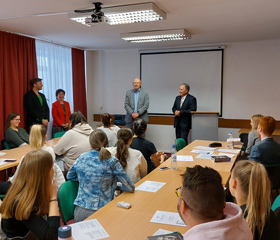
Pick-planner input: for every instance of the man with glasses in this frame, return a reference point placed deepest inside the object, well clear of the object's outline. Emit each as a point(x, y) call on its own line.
point(201, 205)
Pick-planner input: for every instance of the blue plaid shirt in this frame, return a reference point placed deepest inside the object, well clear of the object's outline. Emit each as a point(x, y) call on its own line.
point(97, 180)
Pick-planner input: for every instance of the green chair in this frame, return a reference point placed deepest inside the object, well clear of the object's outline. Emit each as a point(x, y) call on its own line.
point(66, 196)
point(58, 134)
point(7, 145)
point(180, 143)
point(276, 203)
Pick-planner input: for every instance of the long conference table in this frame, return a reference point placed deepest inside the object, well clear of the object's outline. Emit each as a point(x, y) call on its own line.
point(18, 153)
point(134, 223)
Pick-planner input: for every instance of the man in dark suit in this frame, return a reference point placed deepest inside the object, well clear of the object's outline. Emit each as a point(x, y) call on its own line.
point(183, 105)
point(36, 105)
point(136, 104)
point(267, 151)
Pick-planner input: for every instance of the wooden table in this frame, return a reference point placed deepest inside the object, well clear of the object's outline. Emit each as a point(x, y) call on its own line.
point(134, 223)
point(18, 153)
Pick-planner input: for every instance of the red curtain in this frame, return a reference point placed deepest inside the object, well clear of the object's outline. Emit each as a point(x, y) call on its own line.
point(79, 84)
point(17, 66)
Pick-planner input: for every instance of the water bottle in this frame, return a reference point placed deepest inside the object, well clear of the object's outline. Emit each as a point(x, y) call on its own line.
point(230, 142)
point(173, 158)
point(65, 233)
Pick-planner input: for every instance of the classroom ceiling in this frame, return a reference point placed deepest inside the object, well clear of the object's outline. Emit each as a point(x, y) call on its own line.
point(209, 22)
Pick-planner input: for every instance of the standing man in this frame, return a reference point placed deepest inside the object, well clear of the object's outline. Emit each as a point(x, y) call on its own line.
point(136, 104)
point(36, 105)
point(183, 105)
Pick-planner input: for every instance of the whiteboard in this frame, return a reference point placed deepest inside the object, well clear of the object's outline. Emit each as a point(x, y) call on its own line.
point(163, 73)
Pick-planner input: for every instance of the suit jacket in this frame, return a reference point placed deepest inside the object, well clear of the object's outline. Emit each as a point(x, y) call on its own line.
point(185, 119)
point(35, 112)
point(142, 105)
point(58, 113)
point(266, 152)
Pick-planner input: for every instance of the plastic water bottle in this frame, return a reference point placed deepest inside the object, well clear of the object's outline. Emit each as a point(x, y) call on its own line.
point(65, 233)
point(173, 158)
point(230, 142)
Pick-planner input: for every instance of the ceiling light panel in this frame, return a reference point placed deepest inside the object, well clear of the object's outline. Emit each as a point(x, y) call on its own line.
point(134, 13)
point(156, 36)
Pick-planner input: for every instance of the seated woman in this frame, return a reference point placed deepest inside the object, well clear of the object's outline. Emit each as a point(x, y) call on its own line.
point(30, 207)
point(75, 141)
point(37, 138)
point(132, 160)
point(147, 148)
point(60, 113)
point(110, 129)
point(253, 135)
point(97, 173)
point(14, 135)
point(251, 187)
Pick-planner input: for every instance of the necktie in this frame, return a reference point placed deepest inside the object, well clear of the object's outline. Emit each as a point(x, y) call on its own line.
point(182, 101)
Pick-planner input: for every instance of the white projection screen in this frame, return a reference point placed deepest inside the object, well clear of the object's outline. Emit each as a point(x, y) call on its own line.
point(163, 73)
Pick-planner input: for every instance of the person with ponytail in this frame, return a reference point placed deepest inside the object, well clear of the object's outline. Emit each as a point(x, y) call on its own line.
point(132, 160)
point(29, 210)
point(251, 187)
point(97, 173)
point(37, 139)
point(110, 129)
point(147, 148)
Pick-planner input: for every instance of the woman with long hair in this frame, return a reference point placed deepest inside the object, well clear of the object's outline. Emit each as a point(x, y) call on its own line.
point(37, 138)
point(97, 173)
point(60, 112)
point(253, 135)
point(147, 148)
point(132, 160)
point(75, 141)
point(110, 129)
point(15, 135)
point(251, 187)
point(30, 206)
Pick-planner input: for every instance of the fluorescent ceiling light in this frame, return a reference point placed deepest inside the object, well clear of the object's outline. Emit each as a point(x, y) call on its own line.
point(133, 13)
point(156, 36)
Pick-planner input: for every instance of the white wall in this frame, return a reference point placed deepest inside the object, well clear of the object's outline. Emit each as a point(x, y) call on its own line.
point(250, 85)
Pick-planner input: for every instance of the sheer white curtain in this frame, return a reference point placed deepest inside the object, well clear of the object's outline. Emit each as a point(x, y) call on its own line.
point(54, 64)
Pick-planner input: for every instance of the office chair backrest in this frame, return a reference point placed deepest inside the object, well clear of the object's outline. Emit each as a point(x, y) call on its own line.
point(7, 145)
point(180, 143)
point(66, 196)
point(58, 134)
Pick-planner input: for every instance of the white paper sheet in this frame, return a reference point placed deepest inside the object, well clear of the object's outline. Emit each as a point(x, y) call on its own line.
point(205, 148)
point(169, 218)
point(2, 160)
point(88, 230)
point(2, 153)
point(161, 232)
point(202, 151)
point(204, 156)
point(150, 186)
point(184, 158)
point(227, 154)
point(229, 150)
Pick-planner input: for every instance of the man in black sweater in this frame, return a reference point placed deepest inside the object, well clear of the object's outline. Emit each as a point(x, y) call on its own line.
point(36, 105)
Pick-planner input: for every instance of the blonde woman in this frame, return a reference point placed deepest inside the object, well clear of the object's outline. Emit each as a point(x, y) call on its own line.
point(30, 208)
point(132, 160)
point(251, 187)
point(253, 135)
point(37, 138)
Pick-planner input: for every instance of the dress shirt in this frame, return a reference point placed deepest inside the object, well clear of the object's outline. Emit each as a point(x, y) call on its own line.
point(136, 95)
